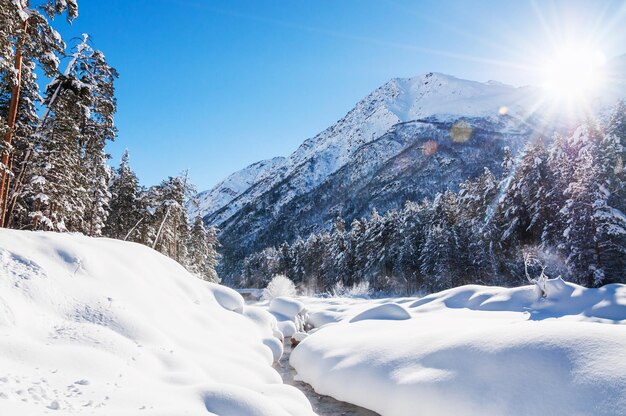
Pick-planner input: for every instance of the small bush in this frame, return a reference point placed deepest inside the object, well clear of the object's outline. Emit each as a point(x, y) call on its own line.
point(359, 290)
point(280, 285)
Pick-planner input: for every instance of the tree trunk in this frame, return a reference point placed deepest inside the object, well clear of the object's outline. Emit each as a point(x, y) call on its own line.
point(5, 177)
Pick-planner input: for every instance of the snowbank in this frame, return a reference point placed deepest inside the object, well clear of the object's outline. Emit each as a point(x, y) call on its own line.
point(105, 327)
point(286, 307)
point(476, 350)
point(387, 311)
point(290, 314)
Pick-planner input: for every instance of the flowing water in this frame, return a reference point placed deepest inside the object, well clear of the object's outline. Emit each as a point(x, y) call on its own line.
point(322, 405)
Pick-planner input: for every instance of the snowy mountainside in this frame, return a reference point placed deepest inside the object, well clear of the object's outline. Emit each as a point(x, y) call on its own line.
point(231, 187)
point(399, 100)
point(105, 327)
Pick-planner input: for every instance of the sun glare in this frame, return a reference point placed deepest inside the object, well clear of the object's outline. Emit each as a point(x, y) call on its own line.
point(574, 74)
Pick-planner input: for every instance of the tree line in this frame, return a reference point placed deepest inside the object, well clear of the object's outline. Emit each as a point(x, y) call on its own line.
point(54, 172)
point(561, 204)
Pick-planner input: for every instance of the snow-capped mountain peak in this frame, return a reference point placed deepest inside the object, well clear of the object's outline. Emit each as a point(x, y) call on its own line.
point(430, 95)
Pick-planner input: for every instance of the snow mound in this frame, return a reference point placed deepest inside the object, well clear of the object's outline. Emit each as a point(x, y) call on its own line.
point(228, 298)
point(476, 350)
point(286, 307)
point(265, 320)
point(564, 301)
point(387, 311)
point(276, 346)
point(318, 319)
point(287, 327)
point(106, 327)
point(289, 313)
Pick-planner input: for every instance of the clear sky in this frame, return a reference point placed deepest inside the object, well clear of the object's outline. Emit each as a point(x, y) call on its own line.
point(212, 86)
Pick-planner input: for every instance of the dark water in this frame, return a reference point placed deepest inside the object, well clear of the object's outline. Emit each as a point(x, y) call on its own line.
point(322, 405)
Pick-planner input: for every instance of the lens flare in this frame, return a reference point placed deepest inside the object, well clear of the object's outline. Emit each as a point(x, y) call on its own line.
point(574, 73)
point(461, 132)
point(430, 148)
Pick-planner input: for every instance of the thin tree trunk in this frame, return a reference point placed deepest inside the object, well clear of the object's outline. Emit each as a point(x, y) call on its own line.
point(11, 118)
point(156, 239)
point(133, 229)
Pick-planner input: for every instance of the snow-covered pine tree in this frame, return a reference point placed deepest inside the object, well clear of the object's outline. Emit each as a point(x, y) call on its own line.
point(561, 156)
point(296, 272)
point(439, 259)
point(523, 214)
point(475, 197)
point(27, 37)
point(213, 256)
point(201, 251)
point(594, 237)
point(413, 223)
point(97, 177)
point(57, 187)
point(171, 217)
point(614, 156)
point(125, 210)
point(69, 174)
point(285, 259)
point(338, 252)
point(610, 203)
point(356, 252)
point(26, 123)
point(97, 129)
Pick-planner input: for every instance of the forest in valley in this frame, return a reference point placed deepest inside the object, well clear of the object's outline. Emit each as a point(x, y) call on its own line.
point(558, 207)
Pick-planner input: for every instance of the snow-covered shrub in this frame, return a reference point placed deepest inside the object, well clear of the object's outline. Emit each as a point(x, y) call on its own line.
point(280, 285)
point(358, 290)
point(530, 261)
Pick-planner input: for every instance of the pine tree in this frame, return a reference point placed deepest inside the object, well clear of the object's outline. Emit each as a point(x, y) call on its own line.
point(27, 37)
point(338, 252)
point(171, 217)
point(439, 256)
point(69, 175)
point(201, 248)
point(413, 223)
point(125, 210)
point(595, 236)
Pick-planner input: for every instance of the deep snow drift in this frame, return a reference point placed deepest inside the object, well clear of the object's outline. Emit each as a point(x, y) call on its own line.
point(472, 350)
point(104, 327)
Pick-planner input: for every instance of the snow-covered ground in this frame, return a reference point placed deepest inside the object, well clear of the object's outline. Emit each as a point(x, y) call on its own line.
point(103, 327)
point(472, 350)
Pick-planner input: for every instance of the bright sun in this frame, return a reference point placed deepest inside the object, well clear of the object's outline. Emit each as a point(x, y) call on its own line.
point(574, 74)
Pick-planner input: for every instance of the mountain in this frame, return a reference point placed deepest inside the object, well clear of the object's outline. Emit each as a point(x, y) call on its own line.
point(407, 140)
point(231, 187)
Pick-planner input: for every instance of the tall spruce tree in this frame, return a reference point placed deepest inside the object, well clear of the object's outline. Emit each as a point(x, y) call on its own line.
point(27, 38)
point(125, 210)
point(201, 251)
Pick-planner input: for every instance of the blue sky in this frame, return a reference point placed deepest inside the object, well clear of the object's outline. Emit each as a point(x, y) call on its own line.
point(212, 86)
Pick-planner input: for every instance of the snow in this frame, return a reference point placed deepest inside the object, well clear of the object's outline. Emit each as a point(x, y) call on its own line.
point(105, 327)
point(286, 306)
point(228, 298)
point(387, 311)
point(473, 350)
point(286, 326)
